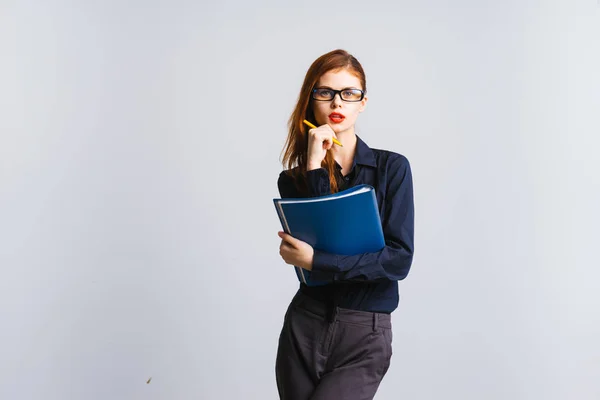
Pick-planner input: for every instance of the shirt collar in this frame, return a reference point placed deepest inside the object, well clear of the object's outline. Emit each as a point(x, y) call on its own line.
point(362, 155)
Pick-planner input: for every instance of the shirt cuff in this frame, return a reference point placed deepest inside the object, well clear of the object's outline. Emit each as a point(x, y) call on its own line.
point(324, 267)
point(318, 182)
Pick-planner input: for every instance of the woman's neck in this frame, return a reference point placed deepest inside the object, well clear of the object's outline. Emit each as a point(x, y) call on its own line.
point(345, 155)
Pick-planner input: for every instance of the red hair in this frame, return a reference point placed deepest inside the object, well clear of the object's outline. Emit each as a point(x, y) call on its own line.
point(296, 145)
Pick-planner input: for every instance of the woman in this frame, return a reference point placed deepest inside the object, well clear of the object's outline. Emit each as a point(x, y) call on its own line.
point(336, 340)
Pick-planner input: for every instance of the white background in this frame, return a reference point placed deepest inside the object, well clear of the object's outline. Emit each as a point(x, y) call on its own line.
point(139, 153)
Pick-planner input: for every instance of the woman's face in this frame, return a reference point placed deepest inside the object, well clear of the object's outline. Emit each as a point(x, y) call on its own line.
point(338, 80)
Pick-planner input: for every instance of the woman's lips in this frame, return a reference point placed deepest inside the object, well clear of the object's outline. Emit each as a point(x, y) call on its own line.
point(337, 118)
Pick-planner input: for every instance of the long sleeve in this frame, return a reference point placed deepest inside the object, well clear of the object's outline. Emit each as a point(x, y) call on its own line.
point(393, 262)
point(317, 184)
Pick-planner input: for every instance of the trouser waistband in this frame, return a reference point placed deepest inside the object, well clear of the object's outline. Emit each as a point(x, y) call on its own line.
point(335, 313)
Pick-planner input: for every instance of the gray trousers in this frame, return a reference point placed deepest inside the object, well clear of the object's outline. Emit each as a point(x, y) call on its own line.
point(339, 356)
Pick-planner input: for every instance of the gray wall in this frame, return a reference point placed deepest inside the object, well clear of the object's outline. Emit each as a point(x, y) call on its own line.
point(139, 152)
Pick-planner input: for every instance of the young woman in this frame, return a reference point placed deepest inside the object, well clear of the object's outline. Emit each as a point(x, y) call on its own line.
point(336, 340)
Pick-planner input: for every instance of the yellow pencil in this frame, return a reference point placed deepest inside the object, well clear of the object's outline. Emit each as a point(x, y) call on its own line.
point(313, 127)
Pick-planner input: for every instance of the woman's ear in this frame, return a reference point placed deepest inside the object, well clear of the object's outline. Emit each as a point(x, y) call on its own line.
point(363, 104)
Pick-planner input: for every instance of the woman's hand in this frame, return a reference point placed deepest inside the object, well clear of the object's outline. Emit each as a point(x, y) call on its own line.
point(319, 141)
point(296, 252)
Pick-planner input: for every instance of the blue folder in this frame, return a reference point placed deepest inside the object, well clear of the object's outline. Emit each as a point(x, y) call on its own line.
point(346, 223)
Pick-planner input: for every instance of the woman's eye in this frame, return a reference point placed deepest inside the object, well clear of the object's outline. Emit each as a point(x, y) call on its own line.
point(351, 94)
point(325, 92)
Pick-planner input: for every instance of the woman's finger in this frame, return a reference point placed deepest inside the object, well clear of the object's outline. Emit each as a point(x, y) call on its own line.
point(288, 238)
point(285, 246)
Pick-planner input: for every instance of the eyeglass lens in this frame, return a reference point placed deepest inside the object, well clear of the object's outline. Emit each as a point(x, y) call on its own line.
point(346, 94)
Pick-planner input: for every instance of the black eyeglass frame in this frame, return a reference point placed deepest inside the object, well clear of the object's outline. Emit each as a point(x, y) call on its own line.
point(336, 92)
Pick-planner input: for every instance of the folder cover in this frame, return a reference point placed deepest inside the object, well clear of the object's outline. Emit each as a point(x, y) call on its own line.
point(345, 223)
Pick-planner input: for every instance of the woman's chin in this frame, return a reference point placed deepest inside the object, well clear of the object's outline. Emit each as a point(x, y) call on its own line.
point(339, 128)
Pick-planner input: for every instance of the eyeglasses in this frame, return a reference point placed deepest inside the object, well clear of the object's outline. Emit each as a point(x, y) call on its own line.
point(348, 94)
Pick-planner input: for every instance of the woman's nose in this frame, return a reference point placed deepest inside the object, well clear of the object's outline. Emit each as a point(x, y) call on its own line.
point(337, 100)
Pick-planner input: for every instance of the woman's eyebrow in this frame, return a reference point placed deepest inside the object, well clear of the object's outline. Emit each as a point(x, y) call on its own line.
point(329, 87)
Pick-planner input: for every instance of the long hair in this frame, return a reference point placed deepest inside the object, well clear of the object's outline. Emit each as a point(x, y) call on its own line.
point(295, 152)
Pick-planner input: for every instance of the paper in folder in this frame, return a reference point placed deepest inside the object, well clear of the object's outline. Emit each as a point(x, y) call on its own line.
point(345, 223)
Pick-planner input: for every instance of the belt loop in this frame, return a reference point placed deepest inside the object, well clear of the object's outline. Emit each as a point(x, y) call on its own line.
point(375, 321)
point(332, 311)
point(333, 307)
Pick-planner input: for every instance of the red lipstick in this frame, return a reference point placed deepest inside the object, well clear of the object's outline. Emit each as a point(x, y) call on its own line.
point(336, 117)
